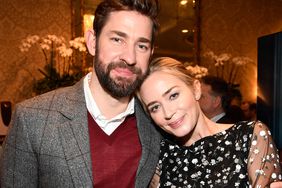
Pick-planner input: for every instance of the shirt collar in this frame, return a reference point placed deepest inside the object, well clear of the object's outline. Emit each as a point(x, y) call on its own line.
point(217, 117)
point(93, 108)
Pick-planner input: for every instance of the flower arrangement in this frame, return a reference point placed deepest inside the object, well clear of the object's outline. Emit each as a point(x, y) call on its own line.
point(197, 71)
point(228, 67)
point(60, 69)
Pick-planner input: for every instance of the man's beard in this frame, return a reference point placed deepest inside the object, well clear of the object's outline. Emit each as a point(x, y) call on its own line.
point(119, 87)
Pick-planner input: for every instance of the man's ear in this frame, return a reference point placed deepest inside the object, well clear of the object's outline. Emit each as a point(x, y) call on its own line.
point(217, 101)
point(197, 89)
point(90, 40)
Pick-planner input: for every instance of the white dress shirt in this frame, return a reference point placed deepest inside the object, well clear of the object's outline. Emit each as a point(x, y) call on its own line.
point(217, 117)
point(107, 125)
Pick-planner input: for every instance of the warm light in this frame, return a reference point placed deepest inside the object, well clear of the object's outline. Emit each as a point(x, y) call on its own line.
point(183, 2)
point(255, 92)
point(185, 31)
point(261, 96)
point(88, 21)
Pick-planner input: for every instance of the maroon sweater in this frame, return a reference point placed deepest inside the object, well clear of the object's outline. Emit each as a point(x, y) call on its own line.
point(115, 158)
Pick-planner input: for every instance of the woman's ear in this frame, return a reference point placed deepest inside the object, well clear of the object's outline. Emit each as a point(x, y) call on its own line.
point(90, 41)
point(197, 89)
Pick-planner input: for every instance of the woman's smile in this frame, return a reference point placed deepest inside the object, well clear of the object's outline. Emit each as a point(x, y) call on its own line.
point(177, 123)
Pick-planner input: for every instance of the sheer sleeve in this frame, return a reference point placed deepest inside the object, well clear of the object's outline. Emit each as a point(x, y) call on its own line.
point(263, 160)
point(156, 178)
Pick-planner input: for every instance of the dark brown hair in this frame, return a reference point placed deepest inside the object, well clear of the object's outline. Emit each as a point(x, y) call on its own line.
point(219, 87)
point(148, 8)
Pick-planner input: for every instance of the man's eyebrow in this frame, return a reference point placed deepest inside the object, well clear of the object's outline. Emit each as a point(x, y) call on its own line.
point(119, 33)
point(145, 40)
point(124, 35)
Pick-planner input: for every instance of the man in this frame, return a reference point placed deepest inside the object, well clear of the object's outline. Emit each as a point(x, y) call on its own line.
point(93, 133)
point(214, 99)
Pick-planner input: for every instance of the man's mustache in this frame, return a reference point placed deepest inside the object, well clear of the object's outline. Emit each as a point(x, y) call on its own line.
point(122, 64)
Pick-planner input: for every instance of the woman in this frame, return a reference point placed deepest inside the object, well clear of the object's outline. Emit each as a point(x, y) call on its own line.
point(203, 153)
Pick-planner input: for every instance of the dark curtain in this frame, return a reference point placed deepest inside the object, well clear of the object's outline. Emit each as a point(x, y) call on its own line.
point(269, 100)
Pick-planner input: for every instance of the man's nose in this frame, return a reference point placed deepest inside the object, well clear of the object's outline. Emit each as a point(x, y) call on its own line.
point(129, 55)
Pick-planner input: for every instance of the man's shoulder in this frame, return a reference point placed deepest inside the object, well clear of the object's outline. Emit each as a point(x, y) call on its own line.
point(55, 97)
point(224, 119)
point(46, 98)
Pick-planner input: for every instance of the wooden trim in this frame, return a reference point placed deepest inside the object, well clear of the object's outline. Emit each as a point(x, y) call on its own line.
point(197, 32)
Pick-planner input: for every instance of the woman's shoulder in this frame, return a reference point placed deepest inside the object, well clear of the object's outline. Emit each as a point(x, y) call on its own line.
point(245, 125)
point(261, 129)
point(239, 126)
point(251, 125)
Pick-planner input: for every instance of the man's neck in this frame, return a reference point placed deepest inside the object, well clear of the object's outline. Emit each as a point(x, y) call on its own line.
point(214, 113)
point(107, 104)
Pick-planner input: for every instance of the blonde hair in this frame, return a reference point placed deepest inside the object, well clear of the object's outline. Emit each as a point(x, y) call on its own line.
point(172, 67)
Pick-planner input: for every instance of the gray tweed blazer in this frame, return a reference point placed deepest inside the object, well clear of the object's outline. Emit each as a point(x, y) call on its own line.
point(48, 143)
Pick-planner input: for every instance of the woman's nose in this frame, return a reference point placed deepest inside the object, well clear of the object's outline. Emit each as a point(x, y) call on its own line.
point(168, 112)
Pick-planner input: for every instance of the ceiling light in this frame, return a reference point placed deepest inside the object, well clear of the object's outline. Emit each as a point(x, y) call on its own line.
point(183, 2)
point(88, 21)
point(185, 31)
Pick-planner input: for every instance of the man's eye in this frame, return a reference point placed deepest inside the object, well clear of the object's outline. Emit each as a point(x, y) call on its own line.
point(115, 39)
point(143, 47)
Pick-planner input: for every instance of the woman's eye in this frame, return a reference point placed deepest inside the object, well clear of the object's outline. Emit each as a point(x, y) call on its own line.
point(173, 96)
point(154, 108)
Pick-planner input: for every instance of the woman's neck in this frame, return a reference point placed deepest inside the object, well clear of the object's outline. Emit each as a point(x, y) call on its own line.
point(204, 127)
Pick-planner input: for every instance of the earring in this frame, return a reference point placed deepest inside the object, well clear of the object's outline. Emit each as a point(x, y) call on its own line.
point(197, 97)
